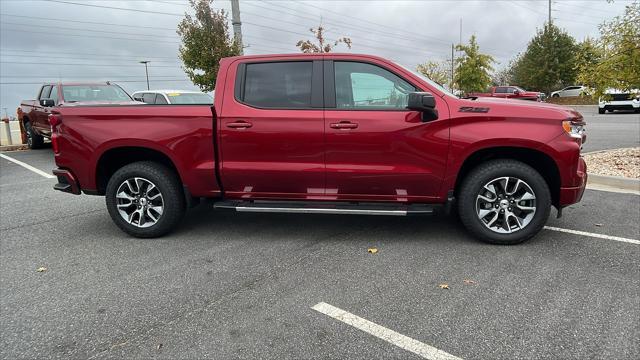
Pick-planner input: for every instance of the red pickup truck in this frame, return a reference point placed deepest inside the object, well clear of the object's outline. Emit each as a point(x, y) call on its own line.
point(510, 92)
point(33, 113)
point(328, 134)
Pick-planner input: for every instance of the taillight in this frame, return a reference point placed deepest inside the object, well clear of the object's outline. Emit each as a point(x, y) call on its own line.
point(55, 120)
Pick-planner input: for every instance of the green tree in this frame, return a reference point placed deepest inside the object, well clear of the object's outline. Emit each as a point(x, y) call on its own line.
point(588, 55)
point(473, 68)
point(205, 40)
point(619, 65)
point(307, 46)
point(549, 61)
point(438, 71)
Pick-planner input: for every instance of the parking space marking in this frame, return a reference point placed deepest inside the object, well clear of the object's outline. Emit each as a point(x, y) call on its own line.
point(600, 236)
point(397, 339)
point(27, 166)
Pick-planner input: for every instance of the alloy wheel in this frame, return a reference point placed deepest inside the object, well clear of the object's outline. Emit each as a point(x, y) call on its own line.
point(506, 204)
point(139, 202)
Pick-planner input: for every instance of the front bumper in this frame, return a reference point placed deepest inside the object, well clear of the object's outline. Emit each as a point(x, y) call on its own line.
point(66, 182)
point(572, 195)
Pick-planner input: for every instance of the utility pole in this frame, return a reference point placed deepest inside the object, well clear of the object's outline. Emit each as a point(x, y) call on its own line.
point(452, 66)
point(549, 12)
point(237, 24)
point(146, 71)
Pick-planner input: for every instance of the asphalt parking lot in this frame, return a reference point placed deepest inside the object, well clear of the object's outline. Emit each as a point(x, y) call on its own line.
point(242, 285)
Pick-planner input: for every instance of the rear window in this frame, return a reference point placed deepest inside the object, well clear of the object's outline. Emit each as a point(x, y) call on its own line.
point(78, 93)
point(278, 84)
point(190, 98)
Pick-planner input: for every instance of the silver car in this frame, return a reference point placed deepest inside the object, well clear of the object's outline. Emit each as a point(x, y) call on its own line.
point(575, 90)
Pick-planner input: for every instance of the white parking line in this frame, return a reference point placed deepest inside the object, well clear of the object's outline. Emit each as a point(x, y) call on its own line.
point(27, 166)
point(397, 339)
point(600, 236)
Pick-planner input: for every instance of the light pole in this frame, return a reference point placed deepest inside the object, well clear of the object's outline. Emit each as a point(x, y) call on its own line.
point(146, 71)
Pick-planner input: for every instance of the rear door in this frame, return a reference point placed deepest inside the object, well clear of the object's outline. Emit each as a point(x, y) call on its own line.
point(272, 130)
point(376, 149)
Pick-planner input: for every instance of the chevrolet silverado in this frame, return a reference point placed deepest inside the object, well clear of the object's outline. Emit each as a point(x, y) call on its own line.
point(326, 134)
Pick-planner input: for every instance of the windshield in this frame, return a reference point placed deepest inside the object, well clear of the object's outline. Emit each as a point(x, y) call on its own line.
point(520, 89)
point(77, 93)
point(429, 81)
point(190, 98)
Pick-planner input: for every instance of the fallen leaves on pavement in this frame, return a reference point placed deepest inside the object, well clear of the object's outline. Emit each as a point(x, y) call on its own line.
point(468, 281)
point(444, 286)
point(41, 269)
point(372, 250)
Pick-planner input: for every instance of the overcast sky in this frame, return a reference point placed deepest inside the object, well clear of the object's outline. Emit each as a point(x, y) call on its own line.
point(51, 40)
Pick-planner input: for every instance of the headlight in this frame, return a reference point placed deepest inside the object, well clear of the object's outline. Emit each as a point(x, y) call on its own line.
point(574, 128)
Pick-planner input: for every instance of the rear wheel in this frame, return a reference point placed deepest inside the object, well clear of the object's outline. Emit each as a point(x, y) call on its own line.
point(601, 111)
point(145, 199)
point(504, 202)
point(34, 141)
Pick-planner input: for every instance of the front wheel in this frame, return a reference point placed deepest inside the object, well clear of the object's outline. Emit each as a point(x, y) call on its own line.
point(145, 199)
point(601, 111)
point(504, 202)
point(34, 141)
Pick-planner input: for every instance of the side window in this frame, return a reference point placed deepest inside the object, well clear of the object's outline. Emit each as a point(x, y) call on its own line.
point(149, 98)
point(511, 90)
point(367, 86)
point(501, 90)
point(54, 93)
point(160, 99)
point(44, 93)
point(278, 84)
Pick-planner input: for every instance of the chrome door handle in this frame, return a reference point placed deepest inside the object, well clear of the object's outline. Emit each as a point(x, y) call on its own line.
point(239, 125)
point(343, 125)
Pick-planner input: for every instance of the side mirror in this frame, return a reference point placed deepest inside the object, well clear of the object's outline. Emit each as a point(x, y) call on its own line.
point(425, 103)
point(47, 102)
point(516, 92)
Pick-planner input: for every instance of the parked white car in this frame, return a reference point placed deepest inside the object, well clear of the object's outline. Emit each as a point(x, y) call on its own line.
point(619, 100)
point(163, 97)
point(575, 90)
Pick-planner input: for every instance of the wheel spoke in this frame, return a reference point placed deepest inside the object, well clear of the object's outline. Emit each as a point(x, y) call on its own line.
point(526, 196)
point(154, 196)
point(493, 220)
point(484, 198)
point(526, 208)
point(505, 223)
point(155, 219)
point(484, 212)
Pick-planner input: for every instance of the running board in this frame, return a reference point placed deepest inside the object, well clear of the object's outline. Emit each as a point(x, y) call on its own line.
point(305, 207)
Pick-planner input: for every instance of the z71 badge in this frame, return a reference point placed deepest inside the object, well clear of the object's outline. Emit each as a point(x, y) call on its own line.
point(474, 109)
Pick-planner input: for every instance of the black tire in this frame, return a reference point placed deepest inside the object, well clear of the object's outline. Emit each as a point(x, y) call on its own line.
point(483, 174)
point(34, 141)
point(601, 111)
point(556, 95)
point(169, 186)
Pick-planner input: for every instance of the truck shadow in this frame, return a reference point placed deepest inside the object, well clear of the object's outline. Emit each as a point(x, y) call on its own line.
point(204, 221)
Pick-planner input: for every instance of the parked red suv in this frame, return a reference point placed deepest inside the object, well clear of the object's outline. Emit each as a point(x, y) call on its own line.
point(326, 133)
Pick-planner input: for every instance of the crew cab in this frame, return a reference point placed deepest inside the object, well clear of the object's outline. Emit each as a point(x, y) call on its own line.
point(326, 134)
point(33, 113)
point(510, 92)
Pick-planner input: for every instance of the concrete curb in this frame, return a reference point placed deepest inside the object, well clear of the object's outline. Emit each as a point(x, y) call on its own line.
point(614, 181)
point(13, 147)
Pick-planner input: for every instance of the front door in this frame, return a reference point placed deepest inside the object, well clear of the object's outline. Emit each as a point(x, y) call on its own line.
point(376, 149)
point(272, 131)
